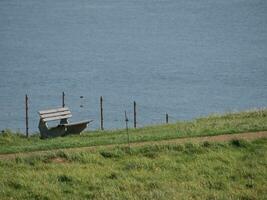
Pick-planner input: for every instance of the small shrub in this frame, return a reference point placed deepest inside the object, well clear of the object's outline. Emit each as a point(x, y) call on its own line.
point(113, 175)
point(107, 154)
point(153, 186)
point(249, 185)
point(15, 185)
point(239, 143)
point(151, 155)
point(116, 153)
point(18, 160)
point(64, 178)
point(206, 144)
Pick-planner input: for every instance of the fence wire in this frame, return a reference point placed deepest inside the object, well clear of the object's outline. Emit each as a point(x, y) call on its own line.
point(85, 107)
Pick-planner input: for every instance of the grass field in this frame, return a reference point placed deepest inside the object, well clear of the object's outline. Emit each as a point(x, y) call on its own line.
point(228, 170)
point(233, 170)
point(211, 125)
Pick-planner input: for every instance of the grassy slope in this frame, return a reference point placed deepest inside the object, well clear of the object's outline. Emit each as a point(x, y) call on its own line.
point(212, 125)
point(235, 170)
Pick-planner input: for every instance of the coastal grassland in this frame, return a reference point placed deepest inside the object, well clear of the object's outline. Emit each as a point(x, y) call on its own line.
point(212, 125)
point(232, 170)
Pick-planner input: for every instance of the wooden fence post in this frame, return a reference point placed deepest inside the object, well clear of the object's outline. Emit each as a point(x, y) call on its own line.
point(63, 99)
point(167, 118)
point(27, 115)
point(134, 114)
point(127, 132)
point(101, 114)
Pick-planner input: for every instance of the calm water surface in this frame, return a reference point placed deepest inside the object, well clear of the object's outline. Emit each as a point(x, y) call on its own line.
point(188, 58)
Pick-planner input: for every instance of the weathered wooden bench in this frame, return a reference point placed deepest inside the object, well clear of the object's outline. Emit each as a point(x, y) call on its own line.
point(64, 127)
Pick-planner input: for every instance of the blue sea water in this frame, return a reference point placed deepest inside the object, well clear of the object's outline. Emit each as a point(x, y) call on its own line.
point(185, 57)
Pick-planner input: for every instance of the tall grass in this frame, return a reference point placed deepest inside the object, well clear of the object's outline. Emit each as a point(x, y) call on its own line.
point(212, 125)
point(234, 170)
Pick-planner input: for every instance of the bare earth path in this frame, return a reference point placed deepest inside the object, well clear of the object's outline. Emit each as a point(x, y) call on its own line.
point(217, 138)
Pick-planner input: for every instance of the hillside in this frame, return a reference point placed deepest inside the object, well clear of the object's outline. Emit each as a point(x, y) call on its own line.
point(185, 160)
point(232, 170)
point(250, 121)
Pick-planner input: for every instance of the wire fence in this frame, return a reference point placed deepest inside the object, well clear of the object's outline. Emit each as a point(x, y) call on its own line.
point(84, 107)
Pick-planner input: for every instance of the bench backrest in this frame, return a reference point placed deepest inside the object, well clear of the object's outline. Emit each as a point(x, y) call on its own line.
point(55, 114)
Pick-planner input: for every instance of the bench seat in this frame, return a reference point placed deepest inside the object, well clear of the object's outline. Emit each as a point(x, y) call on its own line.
point(64, 127)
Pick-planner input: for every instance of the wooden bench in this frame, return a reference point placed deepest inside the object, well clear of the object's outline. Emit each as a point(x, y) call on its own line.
point(64, 127)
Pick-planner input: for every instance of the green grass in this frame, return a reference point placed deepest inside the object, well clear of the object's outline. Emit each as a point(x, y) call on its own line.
point(212, 125)
point(233, 170)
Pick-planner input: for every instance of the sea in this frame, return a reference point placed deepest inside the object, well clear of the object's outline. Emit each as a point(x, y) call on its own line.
point(186, 58)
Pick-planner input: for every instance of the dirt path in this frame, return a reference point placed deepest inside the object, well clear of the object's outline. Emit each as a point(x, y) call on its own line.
point(217, 138)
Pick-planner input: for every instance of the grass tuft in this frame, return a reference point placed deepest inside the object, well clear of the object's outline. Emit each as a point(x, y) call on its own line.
point(117, 153)
point(239, 143)
point(64, 179)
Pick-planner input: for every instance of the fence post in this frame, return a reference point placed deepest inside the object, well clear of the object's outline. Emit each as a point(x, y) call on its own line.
point(167, 118)
point(27, 115)
point(134, 114)
point(101, 114)
point(127, 132)
point(63, 99)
